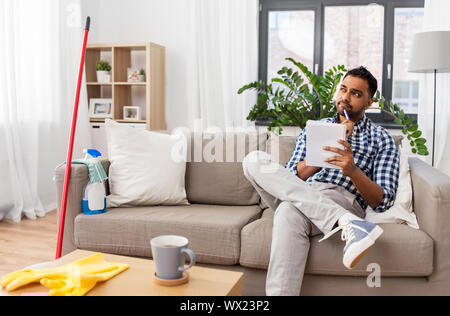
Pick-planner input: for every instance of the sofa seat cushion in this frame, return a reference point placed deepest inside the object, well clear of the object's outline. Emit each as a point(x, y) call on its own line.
point(214, 232)
point(400, 251)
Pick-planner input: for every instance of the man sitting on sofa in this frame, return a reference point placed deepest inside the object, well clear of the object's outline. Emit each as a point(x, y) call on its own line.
point(310, 200)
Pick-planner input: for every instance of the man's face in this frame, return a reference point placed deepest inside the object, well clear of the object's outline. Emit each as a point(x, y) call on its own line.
point(353, 96)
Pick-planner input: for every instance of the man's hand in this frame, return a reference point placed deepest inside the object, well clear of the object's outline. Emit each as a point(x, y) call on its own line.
point(345, 160)
point(349, 125)
point(304, 171)
point(371, 192)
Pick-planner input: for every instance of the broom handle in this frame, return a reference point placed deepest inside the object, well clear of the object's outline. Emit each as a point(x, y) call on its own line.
point(65, 192)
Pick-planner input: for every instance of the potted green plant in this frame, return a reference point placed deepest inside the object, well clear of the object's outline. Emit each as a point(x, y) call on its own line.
point(103, 71)
point(141, 75)
point(297, 99)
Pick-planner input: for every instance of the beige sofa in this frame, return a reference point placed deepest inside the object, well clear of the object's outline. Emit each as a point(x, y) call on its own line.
point(229, 228)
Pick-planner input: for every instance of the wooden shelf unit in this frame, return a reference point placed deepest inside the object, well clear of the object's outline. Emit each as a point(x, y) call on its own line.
point(120, 58)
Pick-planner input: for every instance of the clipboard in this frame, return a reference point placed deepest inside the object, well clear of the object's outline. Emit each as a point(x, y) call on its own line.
point(320, 134)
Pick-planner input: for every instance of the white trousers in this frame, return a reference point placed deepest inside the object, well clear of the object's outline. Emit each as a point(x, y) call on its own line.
point(302, 210)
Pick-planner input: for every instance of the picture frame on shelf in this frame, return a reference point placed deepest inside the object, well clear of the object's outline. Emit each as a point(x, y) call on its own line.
point(131, 113)
point(133, 75)
point(100, 108)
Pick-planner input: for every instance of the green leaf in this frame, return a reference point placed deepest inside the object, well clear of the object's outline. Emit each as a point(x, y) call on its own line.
point(423, 148)
point(420, 141)
point(413, 128)
point(378, 95)
point(409, 121)
point(417, 134)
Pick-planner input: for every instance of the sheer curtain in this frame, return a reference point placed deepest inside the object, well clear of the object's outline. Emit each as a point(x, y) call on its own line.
point(437, 18)
point(223, 57)
point(40, 49)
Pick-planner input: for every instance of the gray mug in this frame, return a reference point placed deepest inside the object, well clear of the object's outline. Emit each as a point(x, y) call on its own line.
point(169, 256)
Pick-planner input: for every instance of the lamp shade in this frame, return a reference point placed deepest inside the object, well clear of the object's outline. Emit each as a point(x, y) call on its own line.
point(430, 51)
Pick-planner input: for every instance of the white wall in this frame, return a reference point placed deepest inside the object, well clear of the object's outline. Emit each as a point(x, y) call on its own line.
point(164, 22)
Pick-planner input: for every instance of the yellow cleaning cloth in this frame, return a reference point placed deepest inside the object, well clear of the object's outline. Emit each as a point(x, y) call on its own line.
point(74, 279)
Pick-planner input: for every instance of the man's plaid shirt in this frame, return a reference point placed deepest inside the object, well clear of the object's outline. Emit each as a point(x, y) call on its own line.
point(374, 152)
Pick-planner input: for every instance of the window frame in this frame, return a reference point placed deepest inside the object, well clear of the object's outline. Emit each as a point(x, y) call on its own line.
point(318, 6)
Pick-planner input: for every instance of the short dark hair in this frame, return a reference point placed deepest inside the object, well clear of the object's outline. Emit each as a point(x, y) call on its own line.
point(363, 73)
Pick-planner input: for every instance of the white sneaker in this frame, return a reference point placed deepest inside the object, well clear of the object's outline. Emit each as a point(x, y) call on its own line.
point(360, 236)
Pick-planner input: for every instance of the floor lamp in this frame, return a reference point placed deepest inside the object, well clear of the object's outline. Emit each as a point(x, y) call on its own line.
point(431, 54)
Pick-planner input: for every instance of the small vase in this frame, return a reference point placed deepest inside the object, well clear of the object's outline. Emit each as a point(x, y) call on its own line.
point(103, 77)
point(141, 78)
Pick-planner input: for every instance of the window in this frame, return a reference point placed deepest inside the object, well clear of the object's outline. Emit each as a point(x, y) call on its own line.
point(323, 33)
point(291, 34)
point(353, 37)
point(408, 21)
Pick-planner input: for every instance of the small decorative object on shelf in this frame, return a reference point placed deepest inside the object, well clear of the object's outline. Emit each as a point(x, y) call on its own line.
point(131, 113)
point(141, 75)
point(133, 75)
point(100, 108)
point(103, 71)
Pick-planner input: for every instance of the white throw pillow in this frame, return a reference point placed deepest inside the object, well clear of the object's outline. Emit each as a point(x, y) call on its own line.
point(402, 210)
point(147, 168)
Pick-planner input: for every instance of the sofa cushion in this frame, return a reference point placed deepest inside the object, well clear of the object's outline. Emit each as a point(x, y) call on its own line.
point(217, 177)
point(400, 251)
point(214, 232)
point(281, 147)
point(139, 175)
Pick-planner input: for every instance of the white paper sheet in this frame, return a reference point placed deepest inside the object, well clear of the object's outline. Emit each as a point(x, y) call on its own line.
point(320, 134)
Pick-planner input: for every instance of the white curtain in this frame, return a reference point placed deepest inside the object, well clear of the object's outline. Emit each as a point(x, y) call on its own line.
point(437, 18)
point(223, 58)
point(40, 49)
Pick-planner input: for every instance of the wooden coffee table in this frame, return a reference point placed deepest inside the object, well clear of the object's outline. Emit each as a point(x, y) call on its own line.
point(138, 280)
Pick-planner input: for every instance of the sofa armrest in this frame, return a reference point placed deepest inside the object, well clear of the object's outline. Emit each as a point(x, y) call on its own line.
point(79, 178)
point(431, 194)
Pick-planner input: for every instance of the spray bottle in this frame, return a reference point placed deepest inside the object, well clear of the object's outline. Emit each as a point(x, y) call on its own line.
point(94, 200)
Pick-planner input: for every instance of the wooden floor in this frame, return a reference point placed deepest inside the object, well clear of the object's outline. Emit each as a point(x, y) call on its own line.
point(28, 242)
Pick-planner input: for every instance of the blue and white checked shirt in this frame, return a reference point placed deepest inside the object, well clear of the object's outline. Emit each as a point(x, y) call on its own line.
point(374, 152)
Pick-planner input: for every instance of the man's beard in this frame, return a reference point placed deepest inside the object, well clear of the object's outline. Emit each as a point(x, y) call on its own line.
point(350, 112)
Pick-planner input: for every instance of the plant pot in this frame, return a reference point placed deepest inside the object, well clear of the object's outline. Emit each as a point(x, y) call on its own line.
point(103, 76)
point(141, 78)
